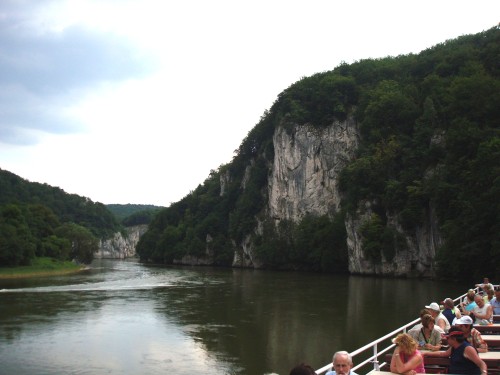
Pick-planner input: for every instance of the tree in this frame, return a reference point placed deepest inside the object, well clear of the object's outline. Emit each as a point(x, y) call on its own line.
point(83, 243)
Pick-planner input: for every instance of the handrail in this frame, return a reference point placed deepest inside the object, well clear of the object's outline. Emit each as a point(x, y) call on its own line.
point(374, 346)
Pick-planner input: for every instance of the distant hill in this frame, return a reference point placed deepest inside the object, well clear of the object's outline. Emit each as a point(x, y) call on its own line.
point(67, 207)
point(38, 220)
point(133, 214)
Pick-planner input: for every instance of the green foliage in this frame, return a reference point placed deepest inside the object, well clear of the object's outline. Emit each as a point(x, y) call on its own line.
point(83, 243)
point(133, 214)
point(17, 244)
point(66, 207)
point(318, 100)
point(315, 243)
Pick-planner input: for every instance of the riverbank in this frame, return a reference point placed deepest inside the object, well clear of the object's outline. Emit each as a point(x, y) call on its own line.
point(41, 267)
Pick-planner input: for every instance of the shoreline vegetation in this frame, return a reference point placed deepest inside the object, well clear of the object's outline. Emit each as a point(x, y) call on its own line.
point(41, 267)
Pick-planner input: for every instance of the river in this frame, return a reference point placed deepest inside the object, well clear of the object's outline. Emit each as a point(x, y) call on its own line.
point(123, 317)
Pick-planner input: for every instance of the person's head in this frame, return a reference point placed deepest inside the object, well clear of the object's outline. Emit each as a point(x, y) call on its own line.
point(406, 343)
point(479, 300)
point(302, 369)
point(434, 309)
point(491, 294)
point(464, 323)
point(455, 336)
point(342, 363)
point(497, 292)
point(424, 312)
point(471, 294)
point(486, 280)
point(428, 321)
point(448, 303)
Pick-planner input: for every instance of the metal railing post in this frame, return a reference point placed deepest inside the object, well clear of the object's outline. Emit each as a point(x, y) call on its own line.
point(375, 357)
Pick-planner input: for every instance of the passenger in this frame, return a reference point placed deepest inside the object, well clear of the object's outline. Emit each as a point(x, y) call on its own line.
point(342, 364)
point(490, 294)
point(483, 312)
point(463, 357)
point(468, 304)
point(418, 326)
point(302, 369)
point(450, 311)
point(469, 297)
point(486, 283)
point(495, 302)
point(428, 337)
point(472, 335)
point(438, 316)
point(406, 358)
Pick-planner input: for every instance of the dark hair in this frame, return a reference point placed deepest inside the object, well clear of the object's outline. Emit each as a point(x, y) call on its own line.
point(302, 369)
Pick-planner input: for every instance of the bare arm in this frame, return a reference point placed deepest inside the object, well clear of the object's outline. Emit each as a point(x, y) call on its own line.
point(399, 367)
point(441, 323)
point(471, 354)
point(439, 353)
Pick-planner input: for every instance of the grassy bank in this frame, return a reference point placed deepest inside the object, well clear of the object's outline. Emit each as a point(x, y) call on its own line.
point(40, 267)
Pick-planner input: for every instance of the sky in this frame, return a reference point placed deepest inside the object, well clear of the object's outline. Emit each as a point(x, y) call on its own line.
point(136, 101)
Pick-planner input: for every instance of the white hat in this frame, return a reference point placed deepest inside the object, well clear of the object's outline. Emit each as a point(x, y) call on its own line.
point(433, 306)
point(466, 319)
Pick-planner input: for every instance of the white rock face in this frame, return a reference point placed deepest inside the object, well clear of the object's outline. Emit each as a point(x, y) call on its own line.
point(415, 260)
point(304, 179)
point(120, 247)
point(306, 166)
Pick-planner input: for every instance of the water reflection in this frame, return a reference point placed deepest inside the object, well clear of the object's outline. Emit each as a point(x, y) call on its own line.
point(126, 318)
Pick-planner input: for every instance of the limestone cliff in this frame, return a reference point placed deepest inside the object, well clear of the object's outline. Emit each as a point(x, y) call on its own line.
point(120, 246)
point(307, 163)
point(304, 179)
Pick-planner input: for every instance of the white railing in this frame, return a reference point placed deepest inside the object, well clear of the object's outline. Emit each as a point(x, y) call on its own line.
point(374, 346)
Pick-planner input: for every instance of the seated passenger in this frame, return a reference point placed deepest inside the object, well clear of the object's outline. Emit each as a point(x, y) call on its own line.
point(438, 316)
point(486, 284)
point(342, 364)
point(418, 326)
point(450, 311)
point(472, 335)
point(406, 358)
point(468, 299)
point(483, 312)
point(490, 294)
point(495, 302)
point(463, 357)
point(428, 336)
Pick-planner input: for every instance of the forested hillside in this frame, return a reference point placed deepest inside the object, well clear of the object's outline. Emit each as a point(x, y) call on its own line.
point(41, 220)
point(428, 142)
point(133, 214)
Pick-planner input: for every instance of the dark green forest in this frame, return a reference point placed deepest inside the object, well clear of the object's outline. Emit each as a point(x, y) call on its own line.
point(133, 214)
point(40, 220)
point(429, 126)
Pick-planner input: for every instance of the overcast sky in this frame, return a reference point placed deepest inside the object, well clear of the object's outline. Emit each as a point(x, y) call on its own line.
point(136, 101)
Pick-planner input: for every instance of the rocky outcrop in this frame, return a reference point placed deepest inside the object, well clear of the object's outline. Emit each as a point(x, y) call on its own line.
point(304, 179)
point(307, 163)
point(121, 246)
point(413, 259)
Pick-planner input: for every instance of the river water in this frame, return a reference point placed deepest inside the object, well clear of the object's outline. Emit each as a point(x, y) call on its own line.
point(123, 317)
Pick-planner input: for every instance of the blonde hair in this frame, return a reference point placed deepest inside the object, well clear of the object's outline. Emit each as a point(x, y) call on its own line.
point(407, 344)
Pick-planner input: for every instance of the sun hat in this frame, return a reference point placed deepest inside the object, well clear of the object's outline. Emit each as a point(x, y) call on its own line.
point(463, 320)
point(433, 306)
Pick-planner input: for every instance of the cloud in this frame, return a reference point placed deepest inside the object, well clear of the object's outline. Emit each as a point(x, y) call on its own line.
point(42, 72)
